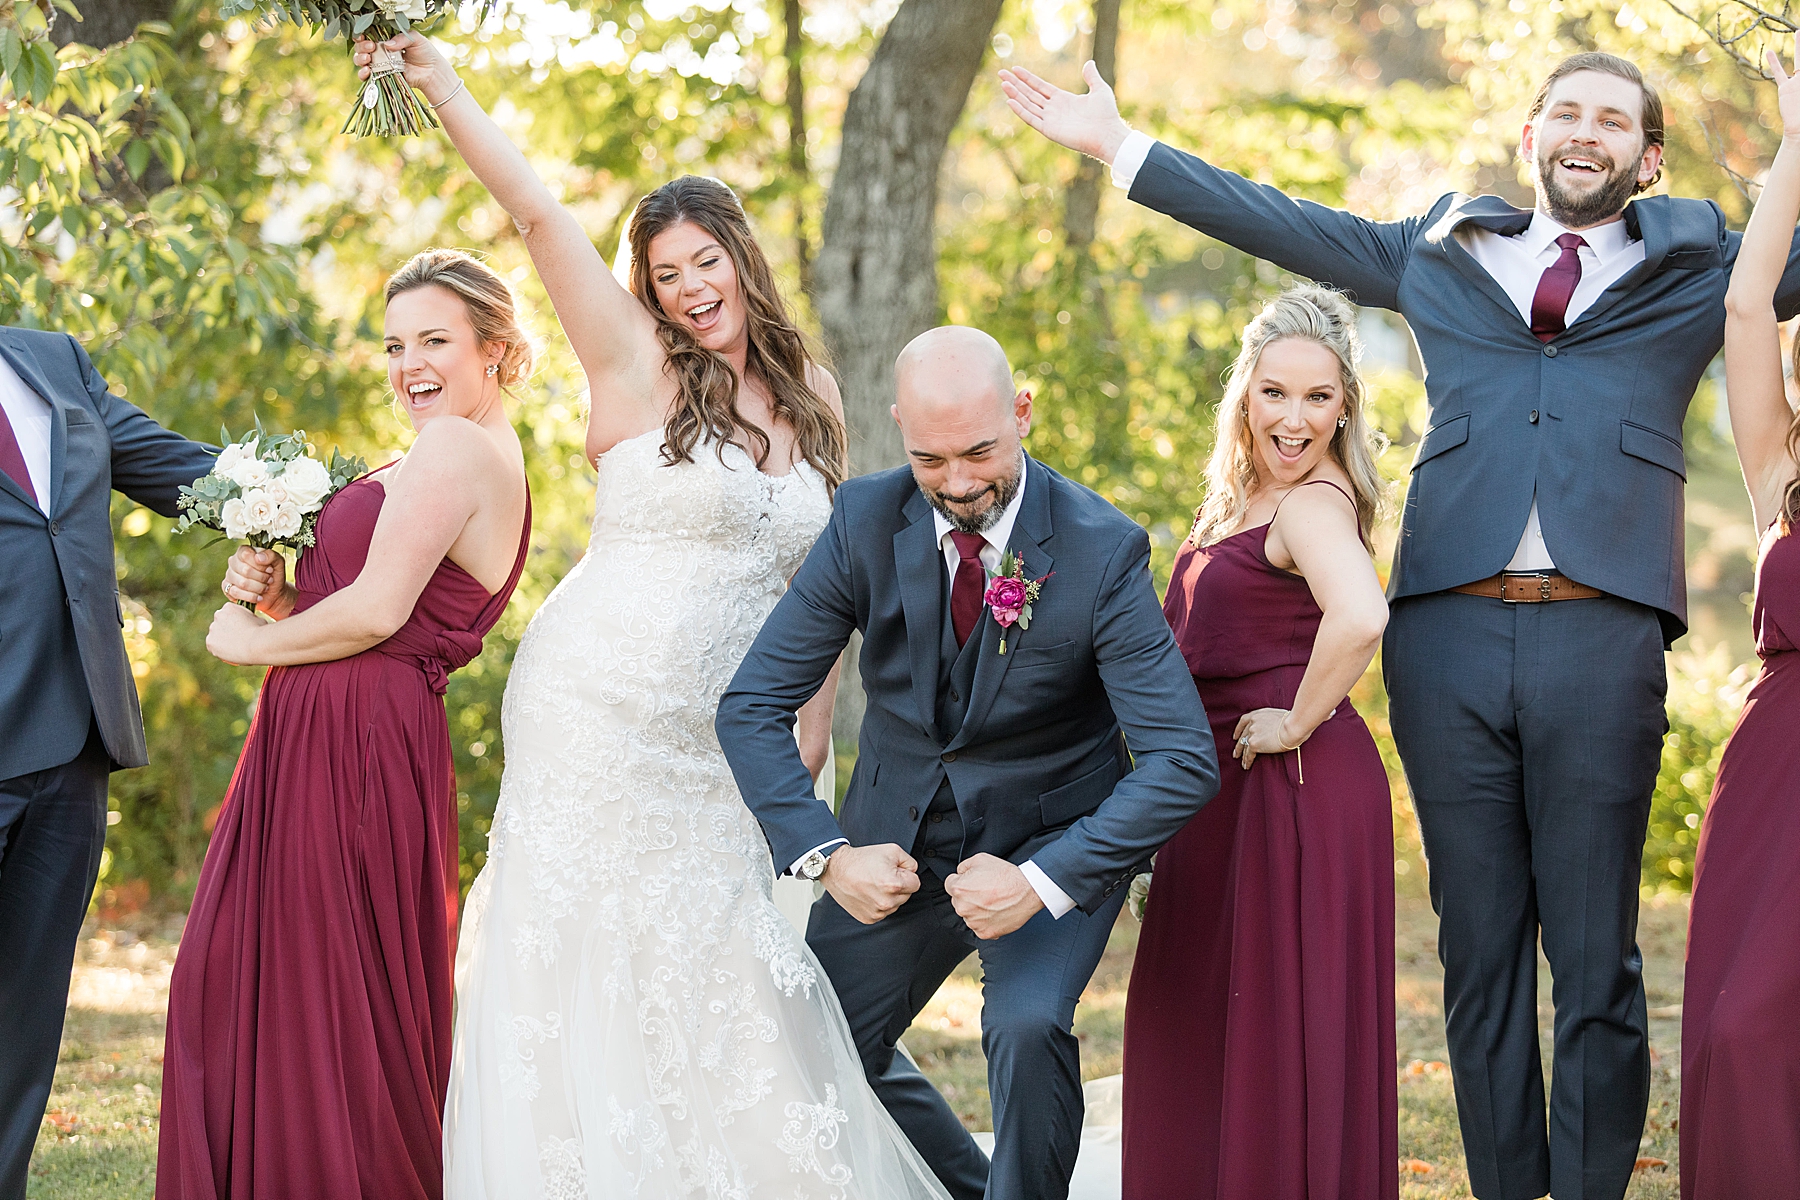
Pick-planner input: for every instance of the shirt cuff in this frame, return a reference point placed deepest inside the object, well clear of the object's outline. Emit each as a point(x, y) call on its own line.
point(1130, 158)
point(1054, 898)
point(794, 869)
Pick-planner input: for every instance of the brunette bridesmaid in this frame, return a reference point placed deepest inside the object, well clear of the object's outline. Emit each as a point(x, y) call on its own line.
point(1259, 1027)
point(1740, 1042)
point(308, 1041)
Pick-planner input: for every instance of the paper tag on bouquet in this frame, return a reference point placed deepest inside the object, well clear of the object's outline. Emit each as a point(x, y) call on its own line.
point(382, 63)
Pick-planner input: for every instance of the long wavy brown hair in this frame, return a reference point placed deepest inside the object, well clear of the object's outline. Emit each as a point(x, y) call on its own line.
point(707, 386)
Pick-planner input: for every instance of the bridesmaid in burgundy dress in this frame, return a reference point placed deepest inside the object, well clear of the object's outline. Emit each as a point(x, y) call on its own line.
point(1740, 1037)
point(1259, 1027)
point(308, 1040)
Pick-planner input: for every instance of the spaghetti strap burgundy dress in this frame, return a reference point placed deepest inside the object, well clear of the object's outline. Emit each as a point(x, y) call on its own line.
point(308, 1042)
point(1740, 1015)
point(1259, 1024)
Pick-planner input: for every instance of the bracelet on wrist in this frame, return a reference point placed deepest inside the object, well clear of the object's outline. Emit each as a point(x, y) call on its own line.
point(449, 98)
point(1281, 737)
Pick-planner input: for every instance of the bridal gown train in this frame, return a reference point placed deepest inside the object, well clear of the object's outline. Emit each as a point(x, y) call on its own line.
point(635, 1016)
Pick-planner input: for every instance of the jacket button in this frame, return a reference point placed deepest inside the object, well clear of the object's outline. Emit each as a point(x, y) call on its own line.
point(912, 814)
point(954, 698)
point(1549, 351)
point(950, 756)
point(55, 529)
point(1534, 416)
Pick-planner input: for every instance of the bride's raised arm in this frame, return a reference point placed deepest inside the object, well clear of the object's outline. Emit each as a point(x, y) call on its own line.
point(612, 334)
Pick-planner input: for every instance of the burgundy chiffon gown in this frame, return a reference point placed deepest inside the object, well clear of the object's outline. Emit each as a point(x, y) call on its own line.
point(1259, 1025)
point(308, 1042)
point(1740, 1016)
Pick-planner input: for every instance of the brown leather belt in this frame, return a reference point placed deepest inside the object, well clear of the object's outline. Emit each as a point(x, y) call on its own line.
point(1532, 587)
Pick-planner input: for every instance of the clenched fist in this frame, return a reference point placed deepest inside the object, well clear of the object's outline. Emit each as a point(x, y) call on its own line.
point(870, 882)
point(992, 896)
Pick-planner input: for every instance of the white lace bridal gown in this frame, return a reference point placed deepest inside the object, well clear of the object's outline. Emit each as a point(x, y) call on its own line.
point(635, 1017)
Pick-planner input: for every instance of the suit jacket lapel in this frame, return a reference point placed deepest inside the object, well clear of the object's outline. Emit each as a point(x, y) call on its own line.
point(1031, 529)
point(1496, 216)
point(1649, 223)
point(917, 567)
point(25, 365)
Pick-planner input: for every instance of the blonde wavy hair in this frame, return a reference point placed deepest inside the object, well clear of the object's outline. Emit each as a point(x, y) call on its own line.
point(493, 310)
point(1789, 516)
point(1317, 314)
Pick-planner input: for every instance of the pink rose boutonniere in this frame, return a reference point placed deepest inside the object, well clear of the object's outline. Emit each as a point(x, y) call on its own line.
point(1010, 595)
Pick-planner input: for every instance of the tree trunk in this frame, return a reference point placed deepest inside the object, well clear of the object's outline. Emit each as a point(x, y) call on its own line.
point(875, 280)
point(876, 275)
point(106, 22)
point(1083, 204)
point(797, 166)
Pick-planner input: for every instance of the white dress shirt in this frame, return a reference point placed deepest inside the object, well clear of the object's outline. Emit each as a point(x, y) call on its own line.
point(29, 414)
point(994, 539)
point(1516, 263)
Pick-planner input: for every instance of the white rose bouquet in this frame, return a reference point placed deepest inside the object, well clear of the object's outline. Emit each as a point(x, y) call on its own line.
point(266, 491)
point(385, 106)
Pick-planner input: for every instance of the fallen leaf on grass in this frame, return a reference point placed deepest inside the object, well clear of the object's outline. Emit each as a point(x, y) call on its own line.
point(1648, 1164)
point(1419, 1068)
point(64, 1120)
point(1417, 1166)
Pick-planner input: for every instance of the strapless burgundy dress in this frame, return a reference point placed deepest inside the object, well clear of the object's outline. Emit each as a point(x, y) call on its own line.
point(1740, 1016)
point(308, 1042)
point(1259, 1025)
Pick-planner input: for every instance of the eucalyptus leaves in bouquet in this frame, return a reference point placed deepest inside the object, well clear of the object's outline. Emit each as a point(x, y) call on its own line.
point(386, 106)
point(266, 491)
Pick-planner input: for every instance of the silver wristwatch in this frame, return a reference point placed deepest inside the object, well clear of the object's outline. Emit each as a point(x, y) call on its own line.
point(812, 865)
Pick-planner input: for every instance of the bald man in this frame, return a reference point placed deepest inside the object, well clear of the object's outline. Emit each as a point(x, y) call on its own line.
point(994, 807)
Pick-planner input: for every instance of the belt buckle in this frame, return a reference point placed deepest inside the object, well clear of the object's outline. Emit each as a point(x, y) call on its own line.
point(1543, 585)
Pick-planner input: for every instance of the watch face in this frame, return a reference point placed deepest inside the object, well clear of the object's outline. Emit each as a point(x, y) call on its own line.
point(812, 866)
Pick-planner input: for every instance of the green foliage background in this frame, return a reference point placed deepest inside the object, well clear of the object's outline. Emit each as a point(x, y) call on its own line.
point(181, 203)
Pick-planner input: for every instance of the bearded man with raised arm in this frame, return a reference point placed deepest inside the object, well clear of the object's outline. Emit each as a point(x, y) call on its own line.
point(1539, 572)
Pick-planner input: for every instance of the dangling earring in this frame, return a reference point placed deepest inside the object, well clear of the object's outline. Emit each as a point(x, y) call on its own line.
point(1343, 421)
point(494, 369)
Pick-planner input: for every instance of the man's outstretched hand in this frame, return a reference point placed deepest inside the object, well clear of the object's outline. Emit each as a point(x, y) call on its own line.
point(992, 896)
point(870, 882)
point(1090, 123)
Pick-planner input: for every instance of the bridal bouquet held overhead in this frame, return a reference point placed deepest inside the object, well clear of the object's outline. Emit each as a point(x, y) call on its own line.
point(266, 491)
point(386, 106)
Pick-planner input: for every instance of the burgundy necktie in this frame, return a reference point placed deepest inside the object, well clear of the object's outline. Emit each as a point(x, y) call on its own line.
point(1550, 305)
point(966, 588)
point(12, 459)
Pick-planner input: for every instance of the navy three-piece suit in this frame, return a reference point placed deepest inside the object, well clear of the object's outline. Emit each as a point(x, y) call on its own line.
point(1026, 755)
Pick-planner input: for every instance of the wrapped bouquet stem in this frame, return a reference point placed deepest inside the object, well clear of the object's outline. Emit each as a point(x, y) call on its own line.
point(387, 104)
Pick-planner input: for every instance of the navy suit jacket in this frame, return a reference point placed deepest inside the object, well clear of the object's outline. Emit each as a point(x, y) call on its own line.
point(1039, 767)
point(1588, 424)
point(63, 668)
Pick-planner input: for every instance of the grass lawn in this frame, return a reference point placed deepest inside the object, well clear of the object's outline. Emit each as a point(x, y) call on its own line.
point(99, 1141)
point(99, 1138)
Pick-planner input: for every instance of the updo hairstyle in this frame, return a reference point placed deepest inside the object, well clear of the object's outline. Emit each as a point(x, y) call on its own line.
point(493, 310)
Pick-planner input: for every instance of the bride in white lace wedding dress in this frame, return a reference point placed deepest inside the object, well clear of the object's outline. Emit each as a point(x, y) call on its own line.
point(635, 1017)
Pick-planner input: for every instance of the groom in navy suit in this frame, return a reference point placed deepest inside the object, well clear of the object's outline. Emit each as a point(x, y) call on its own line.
point(995, 806)
point(68, 706)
